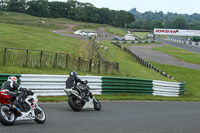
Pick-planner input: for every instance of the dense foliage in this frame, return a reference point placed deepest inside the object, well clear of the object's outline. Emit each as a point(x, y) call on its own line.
point(150, 20)
point(71, 9)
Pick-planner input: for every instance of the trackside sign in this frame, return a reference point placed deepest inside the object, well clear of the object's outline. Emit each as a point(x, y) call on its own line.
point(177, 32)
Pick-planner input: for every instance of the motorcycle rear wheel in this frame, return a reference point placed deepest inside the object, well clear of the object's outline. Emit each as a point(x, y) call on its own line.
point(75, 103)
point(7, 116)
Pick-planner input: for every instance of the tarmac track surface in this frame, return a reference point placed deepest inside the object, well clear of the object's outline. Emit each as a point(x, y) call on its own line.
point(146, 52)
point(116, 117)
point(195, 49)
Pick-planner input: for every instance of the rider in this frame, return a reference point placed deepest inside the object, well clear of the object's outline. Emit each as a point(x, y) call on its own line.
point(10, 86)
point(72, 81)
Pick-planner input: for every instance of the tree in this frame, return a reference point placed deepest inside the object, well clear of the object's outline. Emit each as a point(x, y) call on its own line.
point(158, 24)
point(58, 9)
point(14, 5)
point(38, 8)
point(180, 23)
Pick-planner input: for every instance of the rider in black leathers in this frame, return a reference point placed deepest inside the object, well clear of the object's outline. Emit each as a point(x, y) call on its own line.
point(72, 81)
point(11, 87)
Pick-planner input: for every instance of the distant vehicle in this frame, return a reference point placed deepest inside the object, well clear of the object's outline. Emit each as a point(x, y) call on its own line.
point(86, 32)
point(195, 39)
point(117, 38)
point(150, 35)
point(129, 37)
point(80, 32)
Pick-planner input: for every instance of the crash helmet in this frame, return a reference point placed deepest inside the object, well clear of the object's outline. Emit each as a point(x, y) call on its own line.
point(12, 79)
point(73, 73)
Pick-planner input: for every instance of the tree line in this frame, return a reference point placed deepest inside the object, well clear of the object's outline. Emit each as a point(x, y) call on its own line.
point(71, 9)
point(150, 20)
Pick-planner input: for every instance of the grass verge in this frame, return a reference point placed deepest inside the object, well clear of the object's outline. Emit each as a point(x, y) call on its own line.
point(181, 54)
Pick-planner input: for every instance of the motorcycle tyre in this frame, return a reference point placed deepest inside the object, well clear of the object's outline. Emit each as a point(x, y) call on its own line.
point(3, 120)
point(73, 105)
point(38, 120)
point(97, 107)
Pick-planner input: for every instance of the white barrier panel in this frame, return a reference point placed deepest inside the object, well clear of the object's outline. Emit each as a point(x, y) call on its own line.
point(53, 85)
point(164, 88)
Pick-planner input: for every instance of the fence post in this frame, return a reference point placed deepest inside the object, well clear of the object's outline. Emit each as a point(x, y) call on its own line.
point(117, 67)
point(99, 65)
point(79, 63)
point(5, 56)
point(27, 57)
point(41, 53)
point(56, 60)
point(90, 65)
point(67, 60)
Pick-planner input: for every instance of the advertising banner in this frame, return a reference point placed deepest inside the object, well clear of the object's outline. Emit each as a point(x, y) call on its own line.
point(176, 32)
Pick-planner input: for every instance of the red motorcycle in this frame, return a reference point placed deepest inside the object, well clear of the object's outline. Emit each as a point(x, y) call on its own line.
point(29, 108)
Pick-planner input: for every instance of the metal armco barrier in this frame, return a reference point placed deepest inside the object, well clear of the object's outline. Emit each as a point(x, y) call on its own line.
point(184, 42)
point(116, 85)
point(53, 85)
point(132, 42)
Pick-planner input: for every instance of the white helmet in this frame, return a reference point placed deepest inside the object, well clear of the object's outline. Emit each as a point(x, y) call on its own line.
point(12, 79)
point(73, 73)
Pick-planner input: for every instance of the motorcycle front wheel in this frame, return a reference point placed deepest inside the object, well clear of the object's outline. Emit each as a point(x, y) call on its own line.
point(7, 116)
point(40, 116)
point(97, 104)
point(75, 103)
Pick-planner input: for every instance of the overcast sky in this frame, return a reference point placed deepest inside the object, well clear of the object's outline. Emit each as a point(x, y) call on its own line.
point(178, 6)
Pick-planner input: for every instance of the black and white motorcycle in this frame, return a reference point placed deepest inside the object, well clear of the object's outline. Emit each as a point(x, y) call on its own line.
point(78, 101)
point(30, 109)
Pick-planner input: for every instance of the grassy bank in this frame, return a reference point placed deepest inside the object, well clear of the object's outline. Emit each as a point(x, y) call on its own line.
point(190, 76)
point(15, 36)
point(128, 65)
point(181, 54)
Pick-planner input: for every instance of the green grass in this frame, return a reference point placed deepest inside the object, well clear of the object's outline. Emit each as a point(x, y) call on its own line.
point(24, 19)
point(190, 76)
point(51, 71)
point(116, 31)
point(141, 35)
point(15, 36)
point(122, 97)
point(128, 66)
point(138, 44)
point(162, 36)
point(181, 54)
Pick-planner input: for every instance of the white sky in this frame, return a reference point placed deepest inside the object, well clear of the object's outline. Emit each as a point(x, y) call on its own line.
point(178, 6)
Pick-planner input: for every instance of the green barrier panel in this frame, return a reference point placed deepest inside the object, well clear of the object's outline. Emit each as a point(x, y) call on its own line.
point(128, 92)
point(116, 85)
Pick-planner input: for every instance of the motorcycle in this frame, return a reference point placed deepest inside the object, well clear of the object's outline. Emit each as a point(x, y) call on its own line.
point(77, 100)
point(30, 109)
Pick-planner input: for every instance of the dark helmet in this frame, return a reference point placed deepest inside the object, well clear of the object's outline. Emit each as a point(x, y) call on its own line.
point(73, 73)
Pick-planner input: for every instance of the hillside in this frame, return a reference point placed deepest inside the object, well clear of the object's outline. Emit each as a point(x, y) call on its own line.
point(27, 36)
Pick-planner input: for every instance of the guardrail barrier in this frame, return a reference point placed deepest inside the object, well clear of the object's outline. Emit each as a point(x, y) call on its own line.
point(53, 85)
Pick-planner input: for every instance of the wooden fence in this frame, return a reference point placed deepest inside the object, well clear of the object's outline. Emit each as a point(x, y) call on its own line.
point(44, 59)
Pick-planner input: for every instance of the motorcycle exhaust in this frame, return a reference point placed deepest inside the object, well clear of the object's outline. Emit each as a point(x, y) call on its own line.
point(77, 95)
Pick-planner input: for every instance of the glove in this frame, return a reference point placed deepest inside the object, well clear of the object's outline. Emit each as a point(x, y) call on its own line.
point(86, 81)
